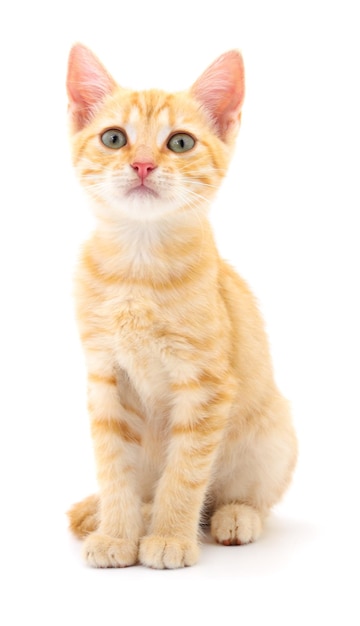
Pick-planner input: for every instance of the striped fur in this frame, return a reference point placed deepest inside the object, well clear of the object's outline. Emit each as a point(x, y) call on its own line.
point(186, 419)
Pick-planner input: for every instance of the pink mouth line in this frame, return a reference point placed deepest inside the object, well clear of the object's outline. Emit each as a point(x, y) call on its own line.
point(142, 190)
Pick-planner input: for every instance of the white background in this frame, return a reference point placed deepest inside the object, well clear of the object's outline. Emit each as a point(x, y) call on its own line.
point(286, 218)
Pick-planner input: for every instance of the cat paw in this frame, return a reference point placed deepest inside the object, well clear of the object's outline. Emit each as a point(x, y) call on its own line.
point(167, 552)
point(236, 524)
point(105, 551)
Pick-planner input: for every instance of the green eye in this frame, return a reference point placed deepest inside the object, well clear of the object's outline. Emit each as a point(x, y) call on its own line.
point(114, 138)
point(181, 142)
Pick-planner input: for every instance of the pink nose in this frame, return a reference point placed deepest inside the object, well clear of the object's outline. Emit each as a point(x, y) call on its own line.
point(143, 169)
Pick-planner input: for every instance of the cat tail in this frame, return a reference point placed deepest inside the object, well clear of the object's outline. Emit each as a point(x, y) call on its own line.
point(83, 516)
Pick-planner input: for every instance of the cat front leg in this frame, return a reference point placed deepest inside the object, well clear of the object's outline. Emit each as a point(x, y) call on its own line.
point(116, 433)
point(198, 420)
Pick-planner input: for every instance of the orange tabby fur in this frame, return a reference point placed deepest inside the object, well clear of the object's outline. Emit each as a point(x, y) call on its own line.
point(185, 416)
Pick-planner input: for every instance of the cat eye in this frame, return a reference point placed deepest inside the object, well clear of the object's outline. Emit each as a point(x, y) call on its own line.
point(114, 138)
point(181, 142)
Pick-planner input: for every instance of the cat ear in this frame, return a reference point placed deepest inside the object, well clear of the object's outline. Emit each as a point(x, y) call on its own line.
point(220, 90)
point(87, 84)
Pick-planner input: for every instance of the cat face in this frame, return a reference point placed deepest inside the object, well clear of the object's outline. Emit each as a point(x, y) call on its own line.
point(148, 154)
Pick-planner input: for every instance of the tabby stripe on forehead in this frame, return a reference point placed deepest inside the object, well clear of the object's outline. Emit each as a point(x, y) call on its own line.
point(136, 103)
point(165, 105)
point(152, 104)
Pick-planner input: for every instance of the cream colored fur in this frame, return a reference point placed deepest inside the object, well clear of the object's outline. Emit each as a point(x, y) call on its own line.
point(187, 422)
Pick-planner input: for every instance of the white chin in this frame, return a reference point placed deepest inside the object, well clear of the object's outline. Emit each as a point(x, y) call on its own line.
point(146, 206)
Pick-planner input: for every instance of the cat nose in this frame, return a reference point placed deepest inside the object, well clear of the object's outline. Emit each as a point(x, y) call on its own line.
point(143, 169)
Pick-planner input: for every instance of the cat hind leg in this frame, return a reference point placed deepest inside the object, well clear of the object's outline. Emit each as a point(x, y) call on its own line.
point(252, 473)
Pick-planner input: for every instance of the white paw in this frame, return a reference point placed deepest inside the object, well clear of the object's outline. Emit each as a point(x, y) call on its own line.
point(168, 552)
point(105, 551)
point(236, 524)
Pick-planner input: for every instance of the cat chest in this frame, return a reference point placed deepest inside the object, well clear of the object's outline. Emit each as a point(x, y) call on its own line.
point(154, 338)
point(152, 341)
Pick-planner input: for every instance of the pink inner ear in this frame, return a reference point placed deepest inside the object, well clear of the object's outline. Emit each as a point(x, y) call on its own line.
point(221, 90)
point(87, 84)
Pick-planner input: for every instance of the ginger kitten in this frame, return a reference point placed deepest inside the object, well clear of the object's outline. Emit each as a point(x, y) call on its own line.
point(186, 419)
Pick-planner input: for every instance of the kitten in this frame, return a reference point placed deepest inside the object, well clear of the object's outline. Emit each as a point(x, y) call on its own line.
point(187, 422)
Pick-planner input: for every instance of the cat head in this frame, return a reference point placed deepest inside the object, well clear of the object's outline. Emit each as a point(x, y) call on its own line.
point(147, 154)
